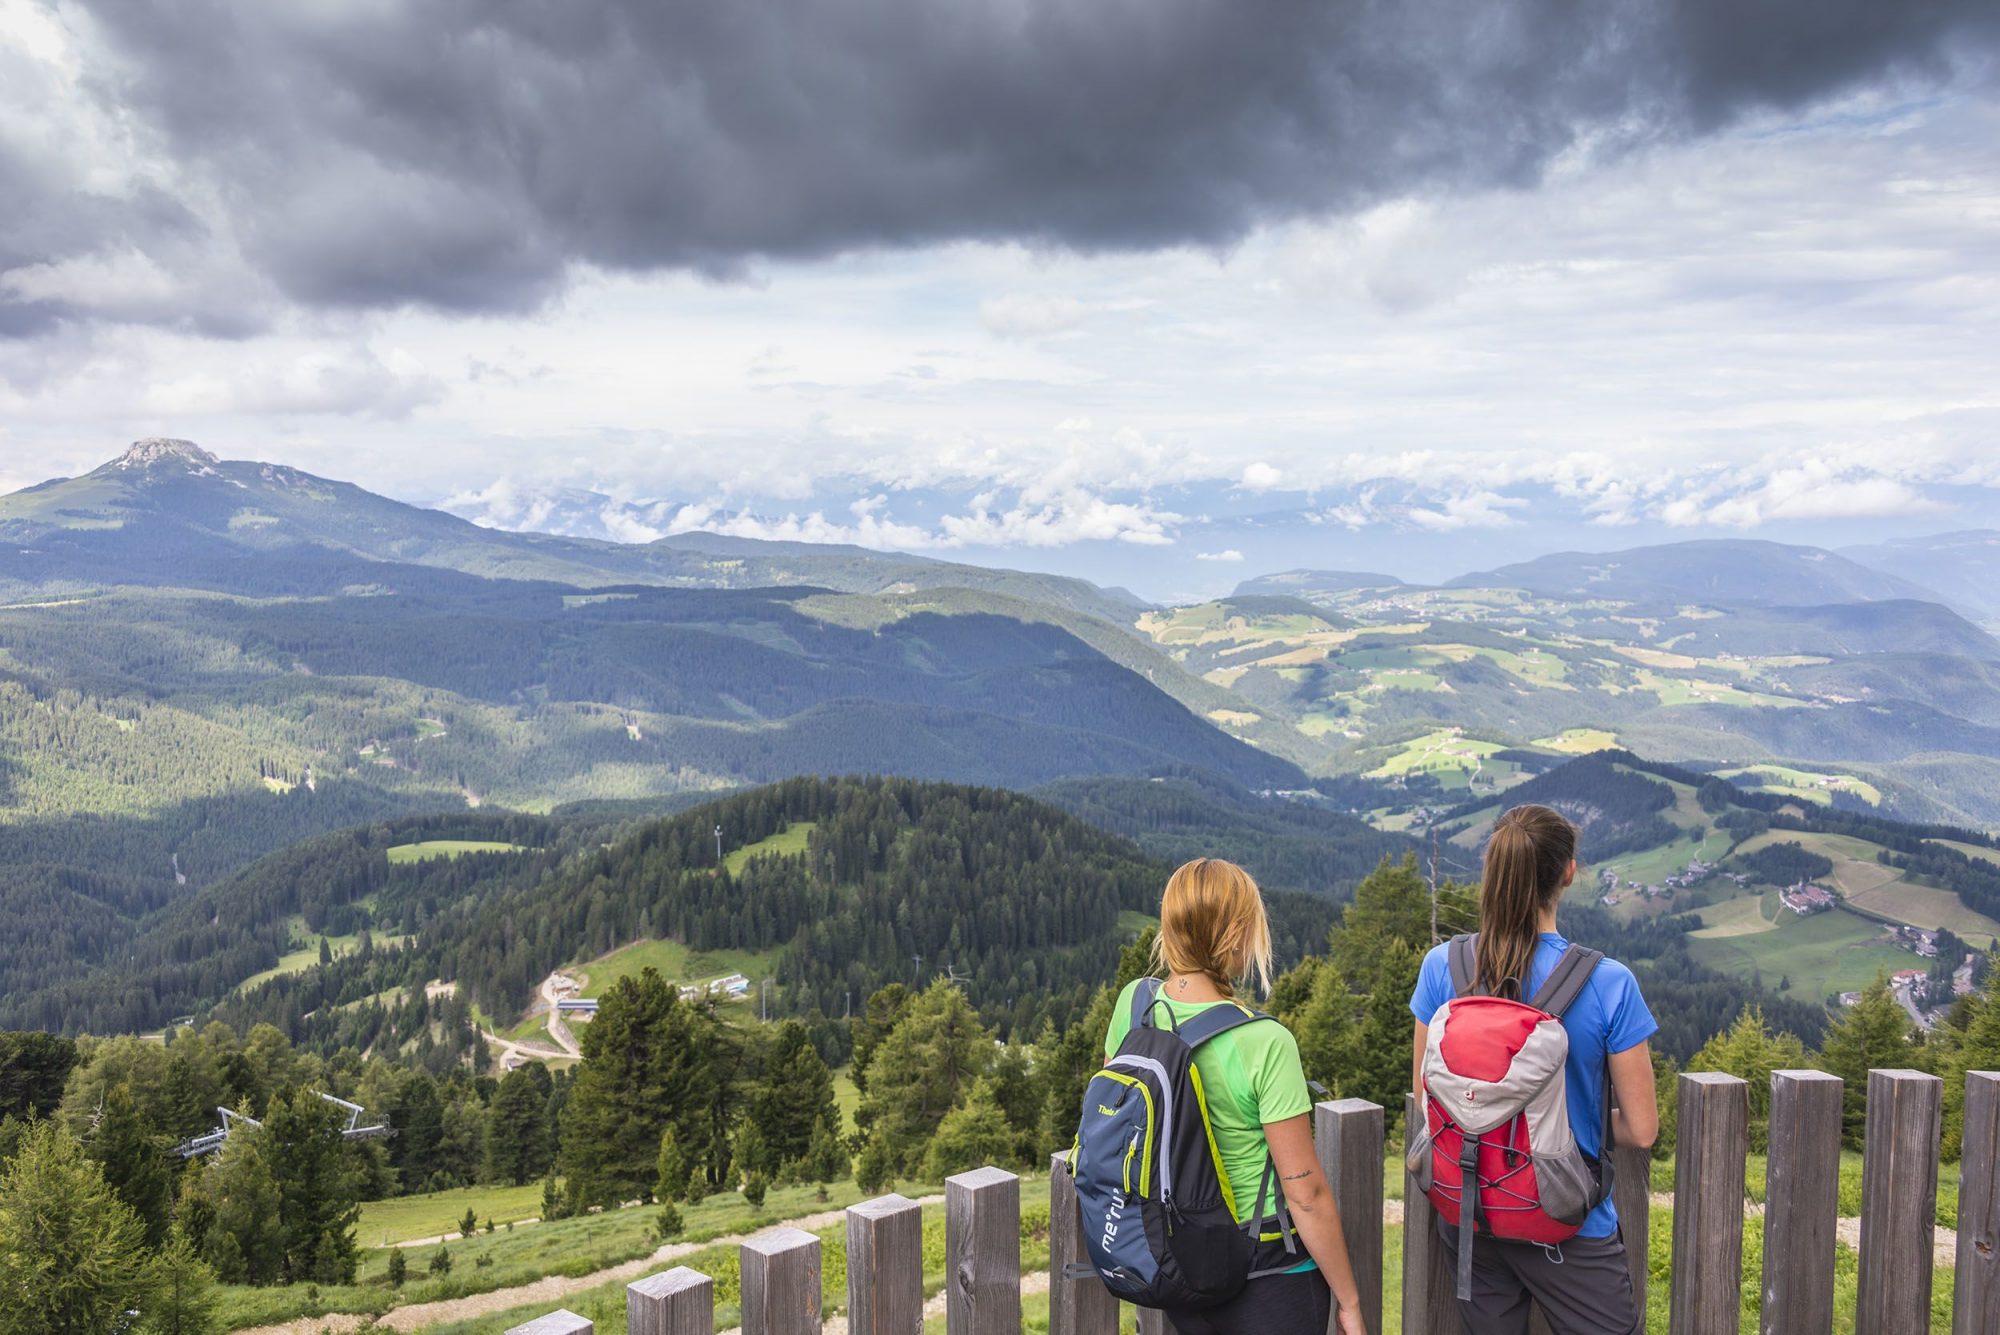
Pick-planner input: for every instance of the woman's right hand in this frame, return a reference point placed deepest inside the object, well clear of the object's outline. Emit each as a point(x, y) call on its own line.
point(1351, 1322)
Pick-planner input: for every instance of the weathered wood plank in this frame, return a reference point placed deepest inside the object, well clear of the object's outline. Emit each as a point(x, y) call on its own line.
point(1349, 1136)
point(781, 1277)
point(982, 1246)
point(1076, 1306)
point(885, 1267)
point(675, 1302)
point(1714, 1141)
point(1801, 1203)
point(561, 1322)
point(1976, 1299)
point(1632, 1194)
point(1151, 1321)
point(1898, 1202)
point(1430, 1304)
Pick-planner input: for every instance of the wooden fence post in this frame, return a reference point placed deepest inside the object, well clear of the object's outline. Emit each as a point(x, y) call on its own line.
point(1632, 1196)
point(674, 1302)
point(559, 1322)
point(1152, 1321)
point(1975, 1306)
point(1349, 1138)
point(982, 1253)
point(1430, 1301)
point(1898, 1202)
point(1801, 1203)
point(885, 1267)
point(1714, 1143)
point(781, 1278)
point(1076, 1306)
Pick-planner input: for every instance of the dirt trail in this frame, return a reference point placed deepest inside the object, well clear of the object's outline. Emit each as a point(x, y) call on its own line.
point(558, 1030)
point(550, 1290)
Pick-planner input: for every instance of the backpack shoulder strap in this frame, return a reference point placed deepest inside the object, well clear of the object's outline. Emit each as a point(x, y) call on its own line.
point(1219, 1019)
point(1463, 957)
point(1143, 997)
point(1567, 980)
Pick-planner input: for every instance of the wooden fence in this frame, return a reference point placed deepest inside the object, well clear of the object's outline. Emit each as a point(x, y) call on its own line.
point(982, 1295)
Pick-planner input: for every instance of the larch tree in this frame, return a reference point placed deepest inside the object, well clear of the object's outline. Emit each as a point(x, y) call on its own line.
point(73, 1258)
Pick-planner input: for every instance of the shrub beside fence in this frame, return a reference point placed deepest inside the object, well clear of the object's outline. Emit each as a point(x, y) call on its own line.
point(781, 1269)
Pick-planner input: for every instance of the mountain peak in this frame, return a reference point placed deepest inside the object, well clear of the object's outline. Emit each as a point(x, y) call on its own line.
point(157, 450)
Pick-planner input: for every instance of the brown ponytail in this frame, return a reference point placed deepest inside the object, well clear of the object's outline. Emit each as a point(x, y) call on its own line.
point(1527, 867)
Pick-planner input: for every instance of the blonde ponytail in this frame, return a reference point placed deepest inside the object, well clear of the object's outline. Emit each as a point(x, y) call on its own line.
point(1212, 922)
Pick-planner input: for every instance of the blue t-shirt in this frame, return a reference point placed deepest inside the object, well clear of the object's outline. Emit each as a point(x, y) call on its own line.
point(1609, 1016)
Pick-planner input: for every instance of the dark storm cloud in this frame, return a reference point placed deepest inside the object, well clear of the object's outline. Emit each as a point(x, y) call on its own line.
point(463, 154)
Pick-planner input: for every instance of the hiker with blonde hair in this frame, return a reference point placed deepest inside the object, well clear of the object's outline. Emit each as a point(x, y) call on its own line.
point(1213, 946)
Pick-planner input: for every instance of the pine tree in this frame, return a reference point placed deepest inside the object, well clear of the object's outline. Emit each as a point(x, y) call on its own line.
point(134, 1162)
point(441, 1261)
point(186, 1302)
point(670, 1170)
point(399, 1268)
point(667, 1222)
point(517, 1142)
point(317, 1187)
point(754, 1187)
point(1872, 1033)
point(650, 1061)
point(972, 1135)
point(240, 1196)
point(922, 1069)
point(826, 1158)
point(468, 1223)
point(796, 1090)
point(751, 1153)
point(72, 1255)
point(554, 1204)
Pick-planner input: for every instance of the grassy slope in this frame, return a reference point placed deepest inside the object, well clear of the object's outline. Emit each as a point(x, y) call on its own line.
point(439, 1213)
point(447, 848)
point(788, 842)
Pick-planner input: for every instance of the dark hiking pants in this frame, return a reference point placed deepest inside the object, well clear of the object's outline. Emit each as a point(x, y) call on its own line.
point(1298, 1304)
point(1583, 1286)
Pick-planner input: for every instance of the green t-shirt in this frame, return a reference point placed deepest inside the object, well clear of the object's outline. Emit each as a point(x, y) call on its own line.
point(1249, 1076)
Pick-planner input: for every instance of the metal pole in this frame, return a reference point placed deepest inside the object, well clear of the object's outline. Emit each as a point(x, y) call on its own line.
point(718, 845)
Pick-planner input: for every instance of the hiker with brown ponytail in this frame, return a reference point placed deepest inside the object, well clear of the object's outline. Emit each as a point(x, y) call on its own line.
point(1524, 1199)
point(1213, 941)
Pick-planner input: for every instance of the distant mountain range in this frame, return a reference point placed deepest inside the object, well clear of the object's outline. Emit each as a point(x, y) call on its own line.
point(167, 512)
point(206, 662)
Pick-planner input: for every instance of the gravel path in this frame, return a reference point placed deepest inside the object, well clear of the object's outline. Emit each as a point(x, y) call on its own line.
point(549, 1291)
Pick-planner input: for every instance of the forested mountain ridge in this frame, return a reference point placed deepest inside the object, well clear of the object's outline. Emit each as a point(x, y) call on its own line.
point(894, 880)
point(184, 641)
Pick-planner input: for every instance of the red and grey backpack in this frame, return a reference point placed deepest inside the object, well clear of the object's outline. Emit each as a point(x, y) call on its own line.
point(1497, 1112)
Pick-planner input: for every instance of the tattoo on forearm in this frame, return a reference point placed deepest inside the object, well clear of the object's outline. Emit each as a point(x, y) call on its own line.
point(1293, 1177)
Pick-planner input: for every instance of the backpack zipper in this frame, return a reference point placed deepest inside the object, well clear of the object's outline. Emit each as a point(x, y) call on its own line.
point(1166, 1122)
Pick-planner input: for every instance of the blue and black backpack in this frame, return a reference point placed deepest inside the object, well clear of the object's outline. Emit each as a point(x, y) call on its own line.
point(1159, 1218)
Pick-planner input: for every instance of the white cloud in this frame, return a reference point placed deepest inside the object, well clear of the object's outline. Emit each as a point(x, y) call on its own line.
point(1481, 509)
point(1227, 554)
point(1261, 476)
